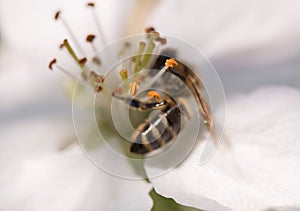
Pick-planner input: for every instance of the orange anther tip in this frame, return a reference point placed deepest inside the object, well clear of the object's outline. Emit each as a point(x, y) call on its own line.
point(154, 94)
point(171, 63)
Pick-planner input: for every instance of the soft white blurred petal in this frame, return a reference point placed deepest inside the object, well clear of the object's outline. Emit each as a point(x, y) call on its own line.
point(259, 169)
point(68, 181)
point(252, 42)
point(28, 26)
point(42, 167)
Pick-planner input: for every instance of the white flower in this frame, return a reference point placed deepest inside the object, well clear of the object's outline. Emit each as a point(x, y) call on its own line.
point(256, 166)
point(250, 43)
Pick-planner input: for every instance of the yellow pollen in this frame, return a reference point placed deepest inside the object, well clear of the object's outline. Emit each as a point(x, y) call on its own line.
point(154, 94)
point(124, 74)
point(133, 88)
point(171, 63)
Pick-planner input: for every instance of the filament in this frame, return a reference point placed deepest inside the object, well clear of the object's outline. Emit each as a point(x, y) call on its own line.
point(97, 23)
point(69, 31)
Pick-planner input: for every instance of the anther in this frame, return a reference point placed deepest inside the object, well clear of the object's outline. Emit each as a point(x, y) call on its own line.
point(98, 88)
point(90, 4)
point(57, 14)
point(53, 61)
point(162, 41)
point(82, 61)
point(168, 63)
point(96, 60)
point(61, 46)
point(153, 94)
point(133, 88)
point(149, 29)
point(171, 62)
point(90, 38)
point(96, 81)
point(97, 78)
point(154, 35)
point(123, 74)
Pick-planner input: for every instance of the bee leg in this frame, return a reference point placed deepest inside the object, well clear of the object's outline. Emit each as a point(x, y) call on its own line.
point(141, 106)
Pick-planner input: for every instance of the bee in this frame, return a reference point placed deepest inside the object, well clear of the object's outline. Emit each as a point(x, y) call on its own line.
point(174, 114)
point(165, 126)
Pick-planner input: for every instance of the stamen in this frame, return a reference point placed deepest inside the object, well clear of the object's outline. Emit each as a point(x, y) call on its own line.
point(97, 22)
point(96, 81)
point(65, 71)
point(90, 39)
point(96, 60)
point(149, 29)
point(124, 74)
point(162, 40)
point(138, 57)
point(154, 94)
point(61, 46)
point(90, 4)
point(155, 35)
point(168, 63)
point(133, 88)
point(82, 61)
point(97, 78)
point(53, 63)
point(57, 16)
point(70, 50)
point(98, 89)
point(148, 54)
point(171, 62)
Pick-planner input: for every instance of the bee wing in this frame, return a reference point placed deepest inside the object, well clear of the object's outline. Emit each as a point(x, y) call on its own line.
point(202, 105)
point(195, 85)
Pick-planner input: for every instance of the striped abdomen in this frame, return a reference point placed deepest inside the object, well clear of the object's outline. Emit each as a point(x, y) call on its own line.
point(160, 130)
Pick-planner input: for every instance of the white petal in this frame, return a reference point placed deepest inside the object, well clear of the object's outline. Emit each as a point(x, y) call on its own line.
point(222, 27)
point(68, 181)
point(252, 42)
point(41, 166)
point(260, 167)
point(37, 35)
